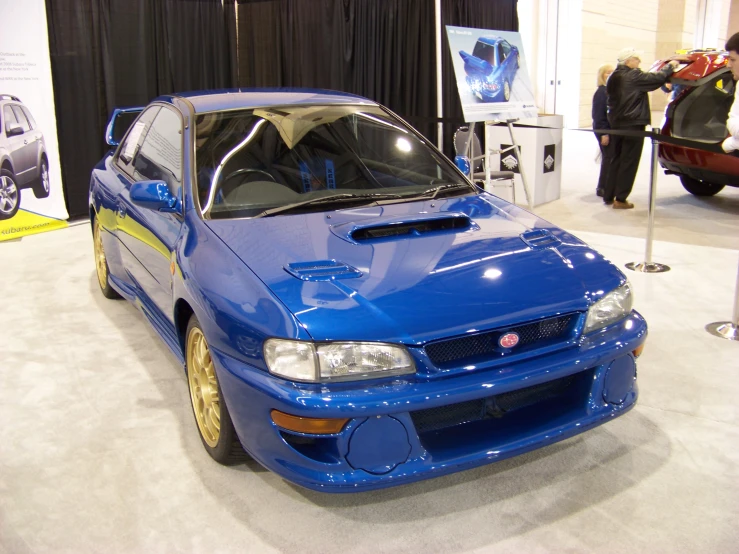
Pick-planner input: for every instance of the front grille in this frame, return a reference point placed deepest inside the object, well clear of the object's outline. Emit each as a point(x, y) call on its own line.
point(464, 348)
point(497, 406)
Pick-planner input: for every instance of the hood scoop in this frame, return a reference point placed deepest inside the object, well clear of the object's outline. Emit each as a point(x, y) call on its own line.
point(539, 239)
point(406, 227)
point(322, 270)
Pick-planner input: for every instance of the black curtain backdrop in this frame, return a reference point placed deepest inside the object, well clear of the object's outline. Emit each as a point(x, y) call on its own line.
point(501, 15)
point(384, 50)
point(116, 53)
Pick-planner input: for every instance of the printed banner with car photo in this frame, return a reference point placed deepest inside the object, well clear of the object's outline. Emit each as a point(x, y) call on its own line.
point(31, 195)
point(492, 77)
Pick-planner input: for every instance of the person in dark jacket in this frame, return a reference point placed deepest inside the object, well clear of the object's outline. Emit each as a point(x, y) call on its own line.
point(628, 110)
point(600, 122)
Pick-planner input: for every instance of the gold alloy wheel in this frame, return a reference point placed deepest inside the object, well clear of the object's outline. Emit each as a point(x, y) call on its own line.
point(100, 264)
point(203, 387)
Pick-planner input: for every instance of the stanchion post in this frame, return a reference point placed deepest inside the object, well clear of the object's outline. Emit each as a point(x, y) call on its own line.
point(648, 266)
point(728, 329)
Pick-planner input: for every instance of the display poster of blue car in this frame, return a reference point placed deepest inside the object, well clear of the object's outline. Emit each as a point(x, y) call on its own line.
point(347, 308)
point(491, 69)
point(491, 74)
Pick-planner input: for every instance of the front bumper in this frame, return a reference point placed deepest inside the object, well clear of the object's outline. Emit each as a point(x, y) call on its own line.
point(407, 429)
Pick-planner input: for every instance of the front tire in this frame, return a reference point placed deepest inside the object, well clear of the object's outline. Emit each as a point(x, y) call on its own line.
point(42, 187)
point(10, 195)
point(209, 408)
point(101, 263)
point(700, 188)
point(507, 91)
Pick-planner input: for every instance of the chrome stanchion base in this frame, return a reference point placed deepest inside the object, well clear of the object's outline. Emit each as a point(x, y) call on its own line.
point(724, 329)
point(644, 267)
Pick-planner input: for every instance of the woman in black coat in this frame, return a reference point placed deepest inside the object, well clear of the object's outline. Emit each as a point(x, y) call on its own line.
point(600, 121)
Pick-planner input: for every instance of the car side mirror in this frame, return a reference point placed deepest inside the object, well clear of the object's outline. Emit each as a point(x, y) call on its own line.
point(13, 130)
point(463, 164)
point(154, 195)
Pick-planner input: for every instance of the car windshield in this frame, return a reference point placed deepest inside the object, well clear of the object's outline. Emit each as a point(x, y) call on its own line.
point(281, 160)
point(485, 52)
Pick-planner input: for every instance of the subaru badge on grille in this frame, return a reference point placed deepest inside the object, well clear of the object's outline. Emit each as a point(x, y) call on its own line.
point(509, 340)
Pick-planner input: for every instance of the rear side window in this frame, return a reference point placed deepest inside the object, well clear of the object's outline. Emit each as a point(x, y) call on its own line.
point(160, 156)
point(701, 115)
point(21, 117)
point(9, 117)
point(484, 52)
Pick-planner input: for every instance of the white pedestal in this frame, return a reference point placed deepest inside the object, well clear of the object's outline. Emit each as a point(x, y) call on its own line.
point(541, 155)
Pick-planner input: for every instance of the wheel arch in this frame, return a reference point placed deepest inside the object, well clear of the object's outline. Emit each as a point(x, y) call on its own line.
point(7, 164)
point(182, 314)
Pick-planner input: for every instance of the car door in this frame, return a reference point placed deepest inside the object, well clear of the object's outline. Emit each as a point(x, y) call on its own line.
point(30, 146)
point(35, 138)
point(17, 147)
point(111, 184)
point(503, 62)
point(151, 235)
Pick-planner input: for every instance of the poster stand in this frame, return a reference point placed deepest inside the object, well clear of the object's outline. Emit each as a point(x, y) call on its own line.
point(517, 149)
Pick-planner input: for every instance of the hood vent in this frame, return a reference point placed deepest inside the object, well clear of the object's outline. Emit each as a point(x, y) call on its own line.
point(411, 228)
point(539, 239)
point(322, 270)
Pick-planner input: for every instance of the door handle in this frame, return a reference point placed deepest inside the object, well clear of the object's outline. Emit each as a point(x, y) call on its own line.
point(121, 211)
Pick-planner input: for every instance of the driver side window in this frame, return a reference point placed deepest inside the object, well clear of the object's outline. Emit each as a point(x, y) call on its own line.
point(135, 136)
point(160, 155)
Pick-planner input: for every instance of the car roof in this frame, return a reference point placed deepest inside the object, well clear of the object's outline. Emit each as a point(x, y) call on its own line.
point(490, 41)
point(244, 98)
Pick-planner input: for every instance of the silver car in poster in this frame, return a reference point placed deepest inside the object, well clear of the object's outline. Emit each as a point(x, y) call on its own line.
point(23, 159)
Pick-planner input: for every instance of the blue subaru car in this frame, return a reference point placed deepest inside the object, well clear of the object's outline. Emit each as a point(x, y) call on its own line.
point(491, 69)
point(349, 310)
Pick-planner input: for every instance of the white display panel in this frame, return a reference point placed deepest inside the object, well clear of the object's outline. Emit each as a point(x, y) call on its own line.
point(25, 81)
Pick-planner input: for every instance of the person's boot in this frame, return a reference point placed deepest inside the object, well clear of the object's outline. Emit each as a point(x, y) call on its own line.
point(618, 205)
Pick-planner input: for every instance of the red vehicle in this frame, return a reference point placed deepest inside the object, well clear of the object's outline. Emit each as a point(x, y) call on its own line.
point(701, 100)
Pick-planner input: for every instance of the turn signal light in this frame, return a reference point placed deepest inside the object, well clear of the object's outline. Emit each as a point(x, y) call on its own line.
point(310, 425)
point(638, 351)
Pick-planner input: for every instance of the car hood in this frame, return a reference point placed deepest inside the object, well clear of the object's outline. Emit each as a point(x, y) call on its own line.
point(419, 271)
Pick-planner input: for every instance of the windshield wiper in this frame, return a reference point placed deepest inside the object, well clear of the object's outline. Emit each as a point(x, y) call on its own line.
point(334, 198)
point(432, 193)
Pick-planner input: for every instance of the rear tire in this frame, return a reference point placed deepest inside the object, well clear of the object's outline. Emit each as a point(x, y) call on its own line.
point(42, 187)
point(101, 263)
point(700, 188)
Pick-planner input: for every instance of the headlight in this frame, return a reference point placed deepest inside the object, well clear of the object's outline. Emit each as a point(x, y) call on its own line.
point(613, 307)
point(337, 361)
